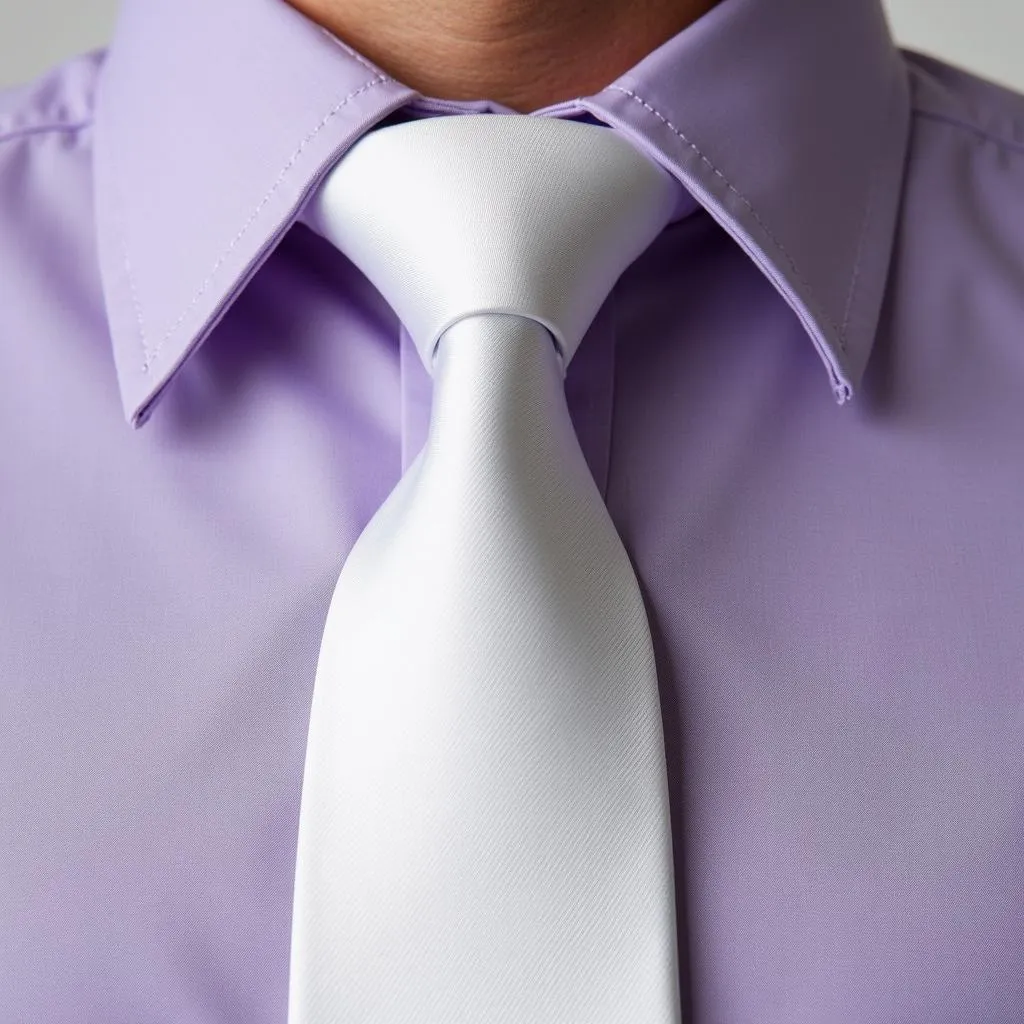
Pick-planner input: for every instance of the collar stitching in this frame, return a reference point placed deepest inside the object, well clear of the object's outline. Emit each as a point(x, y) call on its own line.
point(746, 202)
point(117, 213)
point(151, 356)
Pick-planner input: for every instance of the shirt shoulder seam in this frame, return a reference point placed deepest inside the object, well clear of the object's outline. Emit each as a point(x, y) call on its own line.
point(950, 94)
point(41, 129)
point(971, 126)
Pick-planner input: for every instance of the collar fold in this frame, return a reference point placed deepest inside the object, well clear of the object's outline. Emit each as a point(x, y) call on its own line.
point(786, 119)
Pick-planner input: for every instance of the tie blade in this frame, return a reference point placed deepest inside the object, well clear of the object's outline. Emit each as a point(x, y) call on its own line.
point(484, 833)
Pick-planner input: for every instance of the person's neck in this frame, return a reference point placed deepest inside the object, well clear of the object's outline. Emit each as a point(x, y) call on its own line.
point(526, 54)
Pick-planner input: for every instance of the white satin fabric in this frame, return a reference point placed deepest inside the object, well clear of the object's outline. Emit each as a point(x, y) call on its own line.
point(484, 829)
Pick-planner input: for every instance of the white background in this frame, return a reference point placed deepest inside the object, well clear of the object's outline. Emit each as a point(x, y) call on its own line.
point(986, 36)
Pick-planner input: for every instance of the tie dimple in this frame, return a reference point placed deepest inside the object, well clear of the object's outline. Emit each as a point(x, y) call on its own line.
point(484, 832)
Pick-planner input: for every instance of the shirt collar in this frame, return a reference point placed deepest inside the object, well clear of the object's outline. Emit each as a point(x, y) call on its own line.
point(786, 119)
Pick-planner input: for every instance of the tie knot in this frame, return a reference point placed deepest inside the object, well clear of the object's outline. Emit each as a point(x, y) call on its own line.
point(459, 215)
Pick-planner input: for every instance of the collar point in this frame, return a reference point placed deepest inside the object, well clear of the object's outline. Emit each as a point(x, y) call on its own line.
point(139, 395)
point(842, 391)
point(137, 418)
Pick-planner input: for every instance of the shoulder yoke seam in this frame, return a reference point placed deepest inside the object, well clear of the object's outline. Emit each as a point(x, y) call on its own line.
point(42, 129)
point(973, 127)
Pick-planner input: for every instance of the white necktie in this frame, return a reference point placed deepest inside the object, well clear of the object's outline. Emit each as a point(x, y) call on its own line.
point(484, 828)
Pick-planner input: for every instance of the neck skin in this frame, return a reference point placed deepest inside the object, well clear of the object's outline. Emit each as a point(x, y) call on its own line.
point(526, 54)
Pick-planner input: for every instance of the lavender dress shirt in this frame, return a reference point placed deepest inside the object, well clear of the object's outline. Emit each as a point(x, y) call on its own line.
point(803, 405)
